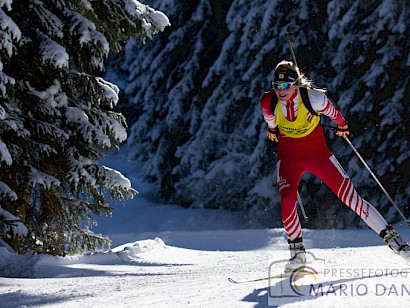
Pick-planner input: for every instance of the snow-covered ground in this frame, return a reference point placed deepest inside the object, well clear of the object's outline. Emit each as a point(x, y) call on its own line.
point(167, 256)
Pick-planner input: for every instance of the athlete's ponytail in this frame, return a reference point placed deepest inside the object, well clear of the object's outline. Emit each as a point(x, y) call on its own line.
point(303, 81)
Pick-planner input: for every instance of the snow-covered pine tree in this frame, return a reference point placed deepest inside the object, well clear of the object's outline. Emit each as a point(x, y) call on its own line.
point(198, 128)
point(371, 81)
point(57, 118)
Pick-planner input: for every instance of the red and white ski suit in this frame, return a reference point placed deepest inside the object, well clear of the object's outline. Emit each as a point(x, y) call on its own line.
point(310, 153)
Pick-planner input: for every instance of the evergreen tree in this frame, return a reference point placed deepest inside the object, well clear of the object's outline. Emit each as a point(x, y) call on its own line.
point(198, 127)
point(57, 118)
point(372, 80)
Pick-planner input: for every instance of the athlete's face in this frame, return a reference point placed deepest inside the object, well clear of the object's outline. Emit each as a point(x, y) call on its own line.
point(284, 93)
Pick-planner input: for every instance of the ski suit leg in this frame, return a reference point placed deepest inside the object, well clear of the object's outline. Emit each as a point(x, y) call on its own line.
point(332, 174)
point(288, 177)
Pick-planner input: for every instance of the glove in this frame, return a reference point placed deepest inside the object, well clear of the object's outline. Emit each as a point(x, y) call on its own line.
point(342, 131)
point(273, 133)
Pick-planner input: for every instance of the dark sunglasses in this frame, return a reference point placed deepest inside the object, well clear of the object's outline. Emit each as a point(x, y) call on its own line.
point(283, 86)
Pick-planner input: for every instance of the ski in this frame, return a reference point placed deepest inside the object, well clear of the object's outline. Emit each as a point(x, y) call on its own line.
point(283, 275)
point(299, 273)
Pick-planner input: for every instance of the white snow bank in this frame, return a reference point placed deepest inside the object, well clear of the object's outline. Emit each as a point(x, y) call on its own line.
point(132, 252)
point(13, 265)
point(154, 274)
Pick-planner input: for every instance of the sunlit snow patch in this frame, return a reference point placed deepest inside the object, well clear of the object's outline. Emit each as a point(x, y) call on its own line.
point(130, 252)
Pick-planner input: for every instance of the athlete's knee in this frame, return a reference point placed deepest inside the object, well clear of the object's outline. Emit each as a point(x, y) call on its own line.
point(288, 209)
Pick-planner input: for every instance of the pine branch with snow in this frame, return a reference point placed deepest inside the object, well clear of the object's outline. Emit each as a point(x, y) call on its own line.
point(57, 118)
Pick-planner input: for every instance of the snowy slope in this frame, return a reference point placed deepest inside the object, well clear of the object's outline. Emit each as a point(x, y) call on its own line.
point(166, 256)
point(149, 273)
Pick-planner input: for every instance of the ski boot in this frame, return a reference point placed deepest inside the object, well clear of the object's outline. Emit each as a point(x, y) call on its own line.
point(297, 254)
point(395, 242)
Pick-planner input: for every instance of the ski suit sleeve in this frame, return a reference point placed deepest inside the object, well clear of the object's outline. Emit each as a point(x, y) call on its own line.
point(267, 114)
point(321, 103)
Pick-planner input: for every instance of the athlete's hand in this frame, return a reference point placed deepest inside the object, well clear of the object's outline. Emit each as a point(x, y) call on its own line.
point(342, 131)
point(273, 133)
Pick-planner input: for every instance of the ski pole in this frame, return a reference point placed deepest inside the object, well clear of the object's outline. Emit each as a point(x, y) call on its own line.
point(375, 178)
point(302, 208)
point(289, 37)
point(378, 182)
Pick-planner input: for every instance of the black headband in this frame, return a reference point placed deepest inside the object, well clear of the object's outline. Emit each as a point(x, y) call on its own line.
point(285, 74)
